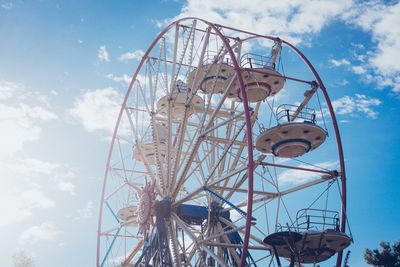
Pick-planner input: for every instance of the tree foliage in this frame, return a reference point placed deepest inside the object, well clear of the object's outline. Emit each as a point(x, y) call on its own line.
point(385, 256)
point(22, 259)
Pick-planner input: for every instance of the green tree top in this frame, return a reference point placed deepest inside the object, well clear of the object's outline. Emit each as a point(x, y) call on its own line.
point(386, 256)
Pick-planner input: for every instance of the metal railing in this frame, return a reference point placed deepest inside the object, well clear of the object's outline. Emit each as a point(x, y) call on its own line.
point(250, 60)
point(214, 57)
point(315, 219)
point(181, 86)
point(289, 113)
point(312, 219)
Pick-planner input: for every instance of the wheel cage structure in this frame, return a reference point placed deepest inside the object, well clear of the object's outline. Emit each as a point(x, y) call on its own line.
point(250, 162)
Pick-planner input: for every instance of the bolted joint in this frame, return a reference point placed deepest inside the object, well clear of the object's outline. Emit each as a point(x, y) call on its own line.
point(314, 85)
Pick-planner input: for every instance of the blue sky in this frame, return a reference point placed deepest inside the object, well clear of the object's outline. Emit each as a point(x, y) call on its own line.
point(64, 66)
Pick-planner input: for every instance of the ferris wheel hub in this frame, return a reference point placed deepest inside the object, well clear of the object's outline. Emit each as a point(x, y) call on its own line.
point(163, 208)
point(145, 209)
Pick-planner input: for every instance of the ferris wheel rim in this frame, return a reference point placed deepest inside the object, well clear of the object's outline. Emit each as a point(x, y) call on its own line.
point(338, 142)
point(248, 126)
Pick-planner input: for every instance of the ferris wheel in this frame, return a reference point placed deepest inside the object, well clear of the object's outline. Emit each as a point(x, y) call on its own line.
point(226, 152)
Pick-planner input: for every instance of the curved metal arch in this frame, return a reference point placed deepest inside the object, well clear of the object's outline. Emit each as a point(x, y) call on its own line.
point(343, 217)
point(115, 134)
point(330, 108)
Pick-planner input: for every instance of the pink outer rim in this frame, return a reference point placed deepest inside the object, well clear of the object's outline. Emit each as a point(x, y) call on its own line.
point(343, 218)
point(249, 132)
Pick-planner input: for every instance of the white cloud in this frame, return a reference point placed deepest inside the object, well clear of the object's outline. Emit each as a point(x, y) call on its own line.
point(16, 130)
point(25, 183)
point(36, 166)
point(98, 109)
point(340, 62)
point(343, 105)
point(358, 70)
point(381, 21)
point(7, 5)
point(125, 78)
point(7, 89)
point(34, 199)
point(20, 120)
point(66, 186)
point(297, 21)
point(103, 54)
point(18, 205)
point(23, 114)
point(298, 177)
point(292, 20)
point(137, 55)
point(357, 104)
point(43, 232)
point(87, 211)
point(365, 104)
point(361, 58)
point(357, 45)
